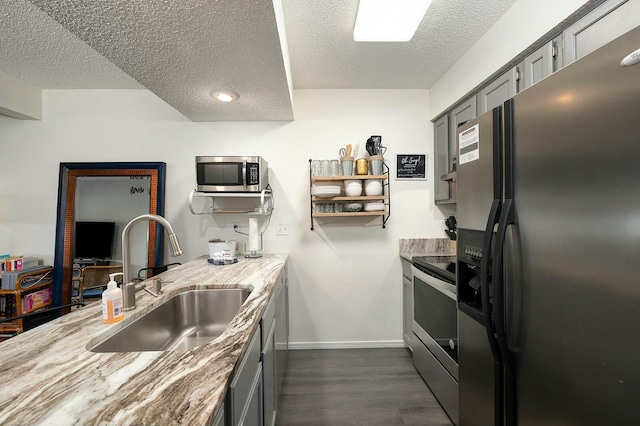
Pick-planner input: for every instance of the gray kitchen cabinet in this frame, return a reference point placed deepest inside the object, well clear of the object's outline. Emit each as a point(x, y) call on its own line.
point(498, 91)
point(537, 66)
point(462, 113)
point(219, 419)
point(252, 415)
point(444, 185)
point(282, 333)
point(269, 375)
point(244, 399)
point(446, 150)
point(274, 326)
point(603, 24)
point(407, 303)
point(557, 52)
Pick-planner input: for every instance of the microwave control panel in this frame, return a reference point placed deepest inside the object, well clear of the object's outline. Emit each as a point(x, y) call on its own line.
point(253, 174)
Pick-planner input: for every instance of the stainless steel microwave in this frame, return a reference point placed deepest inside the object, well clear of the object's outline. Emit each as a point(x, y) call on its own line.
point(231, 174)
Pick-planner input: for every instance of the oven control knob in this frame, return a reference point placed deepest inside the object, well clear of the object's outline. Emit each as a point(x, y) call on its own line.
point(452, 344)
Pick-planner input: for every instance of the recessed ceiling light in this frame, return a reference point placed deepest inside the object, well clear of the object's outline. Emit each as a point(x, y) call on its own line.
point(224, 95)
point(384, 20)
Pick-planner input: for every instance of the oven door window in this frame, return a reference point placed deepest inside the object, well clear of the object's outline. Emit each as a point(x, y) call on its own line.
point(437, 314)
point(220, 174)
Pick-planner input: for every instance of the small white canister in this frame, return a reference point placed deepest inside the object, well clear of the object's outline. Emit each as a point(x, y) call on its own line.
point(216, 246)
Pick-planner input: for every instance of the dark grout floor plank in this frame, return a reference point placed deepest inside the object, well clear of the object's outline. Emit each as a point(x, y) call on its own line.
point(372, 387)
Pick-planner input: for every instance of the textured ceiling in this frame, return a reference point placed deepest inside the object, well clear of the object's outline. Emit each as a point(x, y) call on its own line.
point(182, 49)
point(36, 49)
point(324, 55)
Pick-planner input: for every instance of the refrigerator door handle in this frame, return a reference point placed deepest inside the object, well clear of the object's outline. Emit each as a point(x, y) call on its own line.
point(509, 397)
point(486, 260)
point(489, 323)
point(506, 219)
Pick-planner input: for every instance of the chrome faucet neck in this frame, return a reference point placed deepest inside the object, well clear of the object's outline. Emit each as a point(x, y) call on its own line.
point(126, 256)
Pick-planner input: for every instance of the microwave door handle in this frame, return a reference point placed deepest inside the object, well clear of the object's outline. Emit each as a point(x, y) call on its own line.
point(244, 174)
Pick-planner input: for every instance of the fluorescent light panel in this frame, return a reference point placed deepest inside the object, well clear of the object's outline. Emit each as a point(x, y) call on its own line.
point(389, 20)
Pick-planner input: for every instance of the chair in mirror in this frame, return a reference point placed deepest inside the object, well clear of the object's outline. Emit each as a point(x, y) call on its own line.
point(91, 281)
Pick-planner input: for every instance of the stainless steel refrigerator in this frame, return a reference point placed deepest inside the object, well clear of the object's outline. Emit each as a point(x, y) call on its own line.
point(549, 249)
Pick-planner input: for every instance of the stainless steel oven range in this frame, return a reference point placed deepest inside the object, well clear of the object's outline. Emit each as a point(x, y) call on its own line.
point(435, 325)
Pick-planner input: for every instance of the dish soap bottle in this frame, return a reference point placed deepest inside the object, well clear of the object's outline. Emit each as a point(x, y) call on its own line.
point(112, 301)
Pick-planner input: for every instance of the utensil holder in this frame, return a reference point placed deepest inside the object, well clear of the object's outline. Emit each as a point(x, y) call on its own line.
point(376, 164)
point(347, 166)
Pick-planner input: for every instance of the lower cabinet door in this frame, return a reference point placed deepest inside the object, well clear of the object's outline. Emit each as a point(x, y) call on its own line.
point(281, 336)
point(242, 392)
point(219, 419)
point(269, 377)
point(252, 414)
point(407, 312)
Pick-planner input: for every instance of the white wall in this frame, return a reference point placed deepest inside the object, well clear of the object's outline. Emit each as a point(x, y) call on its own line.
point(523, 24)
point(345, 276)
point(19, 99)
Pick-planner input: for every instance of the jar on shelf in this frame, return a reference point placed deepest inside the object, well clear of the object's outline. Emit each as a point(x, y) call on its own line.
point(334, 168)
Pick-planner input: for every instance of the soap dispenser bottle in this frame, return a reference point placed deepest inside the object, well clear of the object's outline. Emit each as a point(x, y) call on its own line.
point(112, 301)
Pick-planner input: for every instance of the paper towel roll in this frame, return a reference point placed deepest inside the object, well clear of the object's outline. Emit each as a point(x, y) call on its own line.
point(254, 235)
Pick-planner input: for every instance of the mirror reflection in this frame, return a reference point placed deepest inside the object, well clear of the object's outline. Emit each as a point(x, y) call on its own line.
point(103, 206)
point(95, 202)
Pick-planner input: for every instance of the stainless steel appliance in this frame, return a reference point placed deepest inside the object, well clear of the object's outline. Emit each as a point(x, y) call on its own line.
point(548, 240)
point(435, 326)
point(231, 174)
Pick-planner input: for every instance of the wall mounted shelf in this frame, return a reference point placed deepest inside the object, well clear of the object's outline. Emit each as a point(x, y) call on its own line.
point(264, 197)
point(385, 197)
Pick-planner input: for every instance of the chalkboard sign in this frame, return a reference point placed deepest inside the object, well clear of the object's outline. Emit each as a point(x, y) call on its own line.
point(411, 167)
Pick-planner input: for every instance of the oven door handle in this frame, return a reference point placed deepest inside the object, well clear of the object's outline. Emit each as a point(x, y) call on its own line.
point(438, 284)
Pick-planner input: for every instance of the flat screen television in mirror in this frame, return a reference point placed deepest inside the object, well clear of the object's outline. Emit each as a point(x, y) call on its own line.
point(94, 240)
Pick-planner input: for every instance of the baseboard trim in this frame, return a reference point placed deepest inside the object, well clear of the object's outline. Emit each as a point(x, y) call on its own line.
point(375, 344)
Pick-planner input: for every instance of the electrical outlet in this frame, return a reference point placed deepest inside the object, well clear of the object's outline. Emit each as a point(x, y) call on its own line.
point(283, 229)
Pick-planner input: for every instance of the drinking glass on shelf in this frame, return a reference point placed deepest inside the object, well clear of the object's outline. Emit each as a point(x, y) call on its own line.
point(329, 208)
point(334, 168)
point(316, 168)
point(319, 207)
point(325, 168)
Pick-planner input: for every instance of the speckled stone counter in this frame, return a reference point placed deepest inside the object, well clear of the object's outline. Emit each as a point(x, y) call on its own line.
point(50, 378)
point(432, 247)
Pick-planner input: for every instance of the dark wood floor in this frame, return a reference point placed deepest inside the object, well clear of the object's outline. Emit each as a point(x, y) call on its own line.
point(372, 387)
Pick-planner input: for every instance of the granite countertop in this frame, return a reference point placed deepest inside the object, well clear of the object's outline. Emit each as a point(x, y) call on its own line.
point(50, 378)
point(437, 248)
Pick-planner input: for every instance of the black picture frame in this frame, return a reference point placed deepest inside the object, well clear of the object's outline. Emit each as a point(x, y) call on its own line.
point(411, 167)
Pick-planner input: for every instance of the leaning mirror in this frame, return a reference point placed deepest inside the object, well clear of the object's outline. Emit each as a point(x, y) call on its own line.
point(95, 202)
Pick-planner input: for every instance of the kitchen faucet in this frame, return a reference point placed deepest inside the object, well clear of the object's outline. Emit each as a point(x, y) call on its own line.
point(128, 287)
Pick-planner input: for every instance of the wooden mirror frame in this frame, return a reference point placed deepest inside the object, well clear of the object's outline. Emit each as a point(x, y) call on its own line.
point(65, 229)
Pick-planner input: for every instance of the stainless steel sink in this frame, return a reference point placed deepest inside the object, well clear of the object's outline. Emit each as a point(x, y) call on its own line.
point(185, 321)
